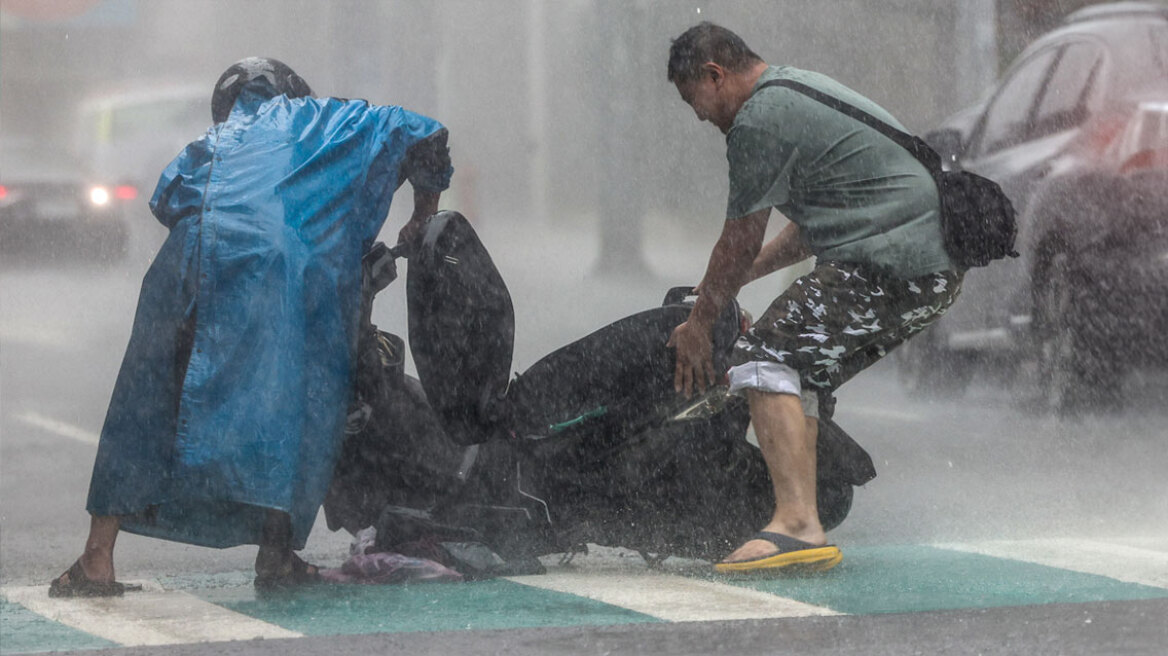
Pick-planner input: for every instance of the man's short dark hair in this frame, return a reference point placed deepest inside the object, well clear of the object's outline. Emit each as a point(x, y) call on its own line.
point(707, 42)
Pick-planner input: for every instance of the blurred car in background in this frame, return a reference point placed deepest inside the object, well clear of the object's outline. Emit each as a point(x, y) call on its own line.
point(1076, 132)
point(50, 210)
point(130, 134)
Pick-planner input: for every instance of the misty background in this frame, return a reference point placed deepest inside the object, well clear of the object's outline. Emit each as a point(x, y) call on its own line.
point(565, 134)
point(559, 112)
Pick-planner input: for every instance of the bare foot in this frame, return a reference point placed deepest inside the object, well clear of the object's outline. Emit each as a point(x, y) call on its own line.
point(290, 570)
point(760, 548)
point(273, 562)
point(98, 567)
point(76, 583)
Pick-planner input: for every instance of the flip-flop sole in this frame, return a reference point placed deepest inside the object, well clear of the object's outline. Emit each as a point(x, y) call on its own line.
point(819, 559)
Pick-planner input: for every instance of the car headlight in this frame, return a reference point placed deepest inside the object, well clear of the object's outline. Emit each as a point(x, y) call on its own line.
point(99, 196)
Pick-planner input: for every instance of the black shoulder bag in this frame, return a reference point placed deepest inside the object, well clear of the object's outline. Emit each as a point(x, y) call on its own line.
point(977, 219)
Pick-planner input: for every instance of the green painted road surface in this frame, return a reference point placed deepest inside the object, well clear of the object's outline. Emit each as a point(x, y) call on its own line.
point(871, 580)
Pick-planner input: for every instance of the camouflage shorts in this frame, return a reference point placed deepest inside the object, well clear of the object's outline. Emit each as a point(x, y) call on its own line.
point(839, 319)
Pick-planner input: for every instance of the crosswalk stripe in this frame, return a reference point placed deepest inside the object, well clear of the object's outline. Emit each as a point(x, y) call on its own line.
point(148, 618)
point(1119, 562)
point(672, 598)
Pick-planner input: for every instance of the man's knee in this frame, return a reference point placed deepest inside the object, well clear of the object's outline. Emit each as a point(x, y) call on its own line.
point(773, 378)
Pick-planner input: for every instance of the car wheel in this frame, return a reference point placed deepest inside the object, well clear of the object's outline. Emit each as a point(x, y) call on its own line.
point(927, 367)
point(1075, 371)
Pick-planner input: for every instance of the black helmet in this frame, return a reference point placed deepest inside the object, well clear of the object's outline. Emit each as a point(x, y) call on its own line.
point(283, 80)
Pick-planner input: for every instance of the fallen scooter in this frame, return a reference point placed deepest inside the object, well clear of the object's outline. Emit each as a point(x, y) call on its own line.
point(590, 445)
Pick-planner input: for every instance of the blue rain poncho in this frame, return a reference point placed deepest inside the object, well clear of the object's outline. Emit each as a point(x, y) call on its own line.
point(259, 280)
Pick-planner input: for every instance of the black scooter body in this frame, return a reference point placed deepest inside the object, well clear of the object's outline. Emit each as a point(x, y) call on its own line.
point(462, 328)
point(583, 447)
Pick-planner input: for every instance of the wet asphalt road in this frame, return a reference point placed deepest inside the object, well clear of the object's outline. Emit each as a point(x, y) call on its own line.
point(983, 467)
point(1130, 628)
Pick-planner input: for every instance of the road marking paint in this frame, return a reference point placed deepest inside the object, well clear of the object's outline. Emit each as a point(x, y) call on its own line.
point(148, 618)
point(1115, 561)
point(882, 413)
point(672, 598)
point(915, 577)
point(58, 427)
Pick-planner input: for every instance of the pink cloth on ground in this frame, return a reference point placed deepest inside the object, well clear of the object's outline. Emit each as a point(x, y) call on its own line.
point(388, 568)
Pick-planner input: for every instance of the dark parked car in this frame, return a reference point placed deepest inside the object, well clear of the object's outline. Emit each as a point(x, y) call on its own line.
point(1076, 132)
point(50, 210)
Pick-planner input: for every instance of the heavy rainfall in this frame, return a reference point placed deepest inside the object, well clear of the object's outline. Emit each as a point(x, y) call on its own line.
point(1032, 417)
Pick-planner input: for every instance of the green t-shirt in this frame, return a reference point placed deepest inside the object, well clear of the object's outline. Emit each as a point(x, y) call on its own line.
point(854, 193)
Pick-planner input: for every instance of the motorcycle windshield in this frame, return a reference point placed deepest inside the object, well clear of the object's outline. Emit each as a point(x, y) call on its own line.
point(461, 326)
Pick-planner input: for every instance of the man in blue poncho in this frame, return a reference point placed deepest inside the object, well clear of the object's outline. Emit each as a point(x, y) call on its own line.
point(228, 412)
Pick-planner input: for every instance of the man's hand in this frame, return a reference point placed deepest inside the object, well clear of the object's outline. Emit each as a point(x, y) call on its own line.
point(425, 205)
point(694, 370)
point(730, 261)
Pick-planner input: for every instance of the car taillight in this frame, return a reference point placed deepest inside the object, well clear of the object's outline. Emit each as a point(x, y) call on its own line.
point(1144, 142)
point(125, 192)
point(3, 192)
point(1145, 160)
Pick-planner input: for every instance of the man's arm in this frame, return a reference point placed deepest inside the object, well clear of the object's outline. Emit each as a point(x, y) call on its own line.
point(427, 167)
point(425, 204)
point(785, 249)
point(730, 263)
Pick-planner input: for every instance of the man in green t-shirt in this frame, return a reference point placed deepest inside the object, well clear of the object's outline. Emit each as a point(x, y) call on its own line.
point(869, 213)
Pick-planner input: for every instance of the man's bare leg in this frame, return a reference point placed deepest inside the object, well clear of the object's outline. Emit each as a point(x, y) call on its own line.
point(275, 555)
point(787, 439)
point(276, 563)
point(98, 559)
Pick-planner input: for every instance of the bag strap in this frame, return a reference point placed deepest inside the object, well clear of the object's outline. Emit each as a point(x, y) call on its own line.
point(913, 144)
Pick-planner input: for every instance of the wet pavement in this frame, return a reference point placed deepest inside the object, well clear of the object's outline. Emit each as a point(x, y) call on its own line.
point(880, 600)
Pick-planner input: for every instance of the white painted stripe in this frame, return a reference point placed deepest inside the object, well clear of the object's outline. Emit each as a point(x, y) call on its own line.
point(1117, 561)
point(58, 427)
point(150, 617)
point(672, 598)
point(845, 410)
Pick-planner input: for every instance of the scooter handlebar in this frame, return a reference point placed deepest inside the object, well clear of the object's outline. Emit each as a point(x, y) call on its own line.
point(402, 249)
point(379, 265)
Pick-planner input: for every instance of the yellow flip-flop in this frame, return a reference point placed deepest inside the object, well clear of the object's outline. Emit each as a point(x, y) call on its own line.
point(791, 556)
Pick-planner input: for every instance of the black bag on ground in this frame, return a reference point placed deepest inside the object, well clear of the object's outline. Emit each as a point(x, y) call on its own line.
point(977, 219)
